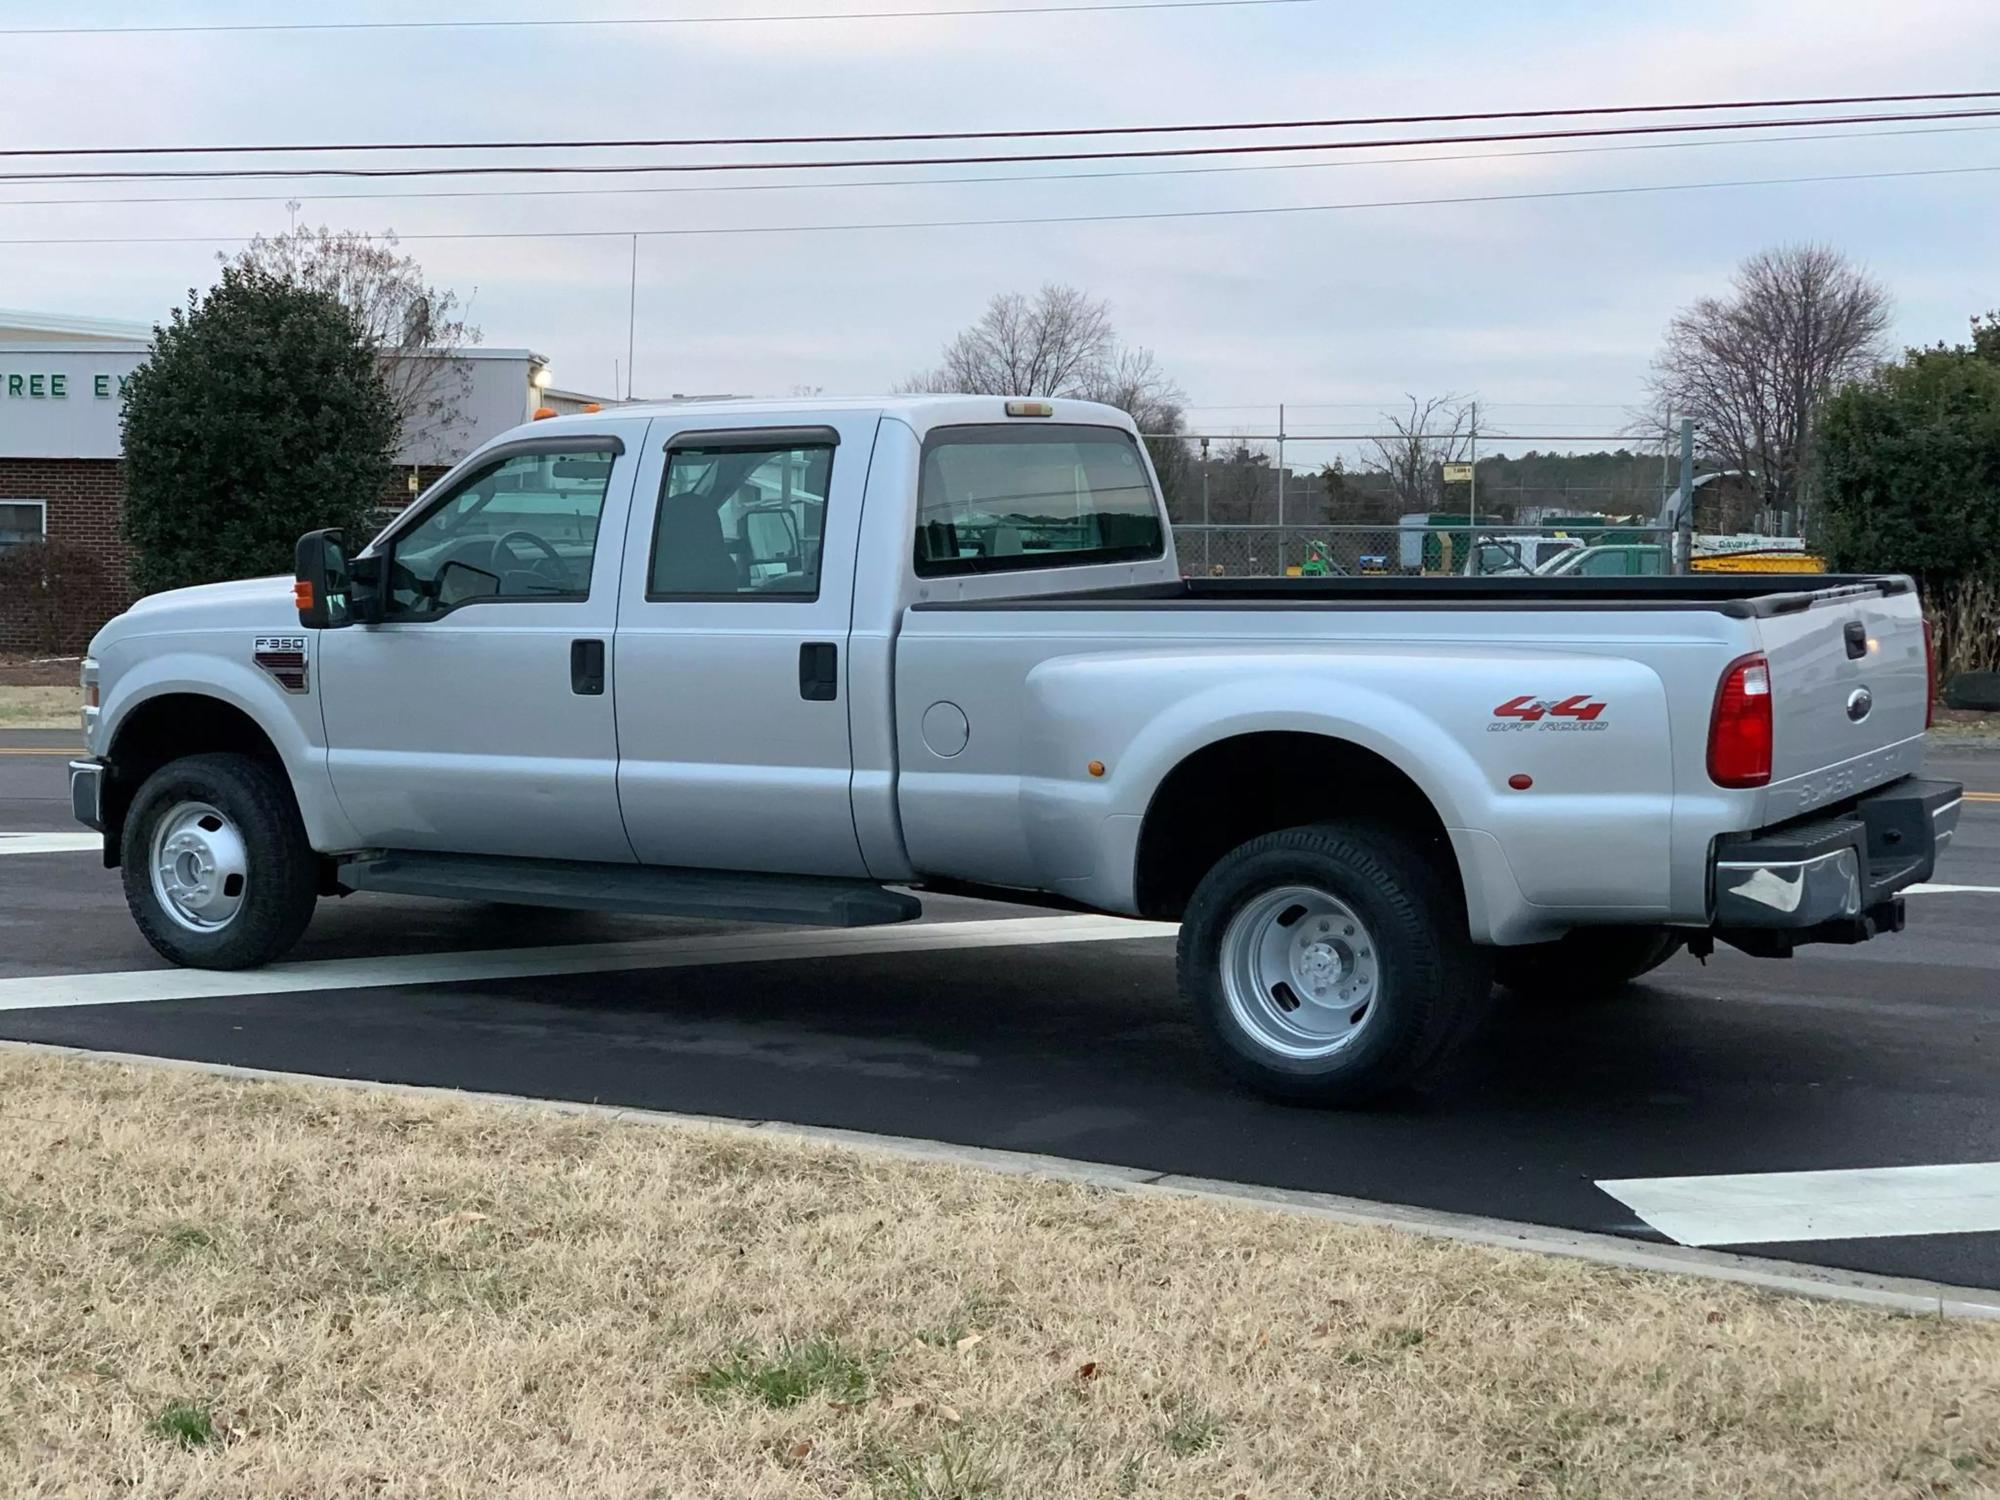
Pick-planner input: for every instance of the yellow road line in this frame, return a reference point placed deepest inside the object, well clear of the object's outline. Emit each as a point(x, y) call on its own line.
point(1982, 796)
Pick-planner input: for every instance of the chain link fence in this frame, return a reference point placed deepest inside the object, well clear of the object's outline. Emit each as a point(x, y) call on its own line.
point(1270, 551)
point(1427, 488)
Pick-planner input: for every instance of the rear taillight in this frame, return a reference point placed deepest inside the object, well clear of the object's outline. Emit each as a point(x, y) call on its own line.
point(1739, 735)
point(1930, 675)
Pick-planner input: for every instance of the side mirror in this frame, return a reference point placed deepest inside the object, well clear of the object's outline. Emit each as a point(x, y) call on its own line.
point(322, 588)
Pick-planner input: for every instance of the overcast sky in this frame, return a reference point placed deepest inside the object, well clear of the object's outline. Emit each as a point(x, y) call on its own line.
point(1547, 309)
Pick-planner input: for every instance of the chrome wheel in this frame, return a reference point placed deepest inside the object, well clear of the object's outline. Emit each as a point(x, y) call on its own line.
point(1300, 971)
point(200, 867)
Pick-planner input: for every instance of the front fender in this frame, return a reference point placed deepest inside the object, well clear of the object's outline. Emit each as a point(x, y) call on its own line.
point(291, 722)
point(1590, 832)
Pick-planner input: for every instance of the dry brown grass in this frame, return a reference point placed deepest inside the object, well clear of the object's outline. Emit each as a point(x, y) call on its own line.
point(214, 1288)
point(1951, 723)
point(28, 707)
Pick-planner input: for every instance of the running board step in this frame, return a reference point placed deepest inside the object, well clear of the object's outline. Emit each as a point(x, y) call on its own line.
point(719, 895)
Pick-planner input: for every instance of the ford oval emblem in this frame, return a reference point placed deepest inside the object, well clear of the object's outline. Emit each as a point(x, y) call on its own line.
point(1859, 702)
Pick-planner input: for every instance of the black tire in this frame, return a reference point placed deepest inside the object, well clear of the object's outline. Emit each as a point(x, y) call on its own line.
point(282, 882)
point(1431, 984)
point(1588, 964)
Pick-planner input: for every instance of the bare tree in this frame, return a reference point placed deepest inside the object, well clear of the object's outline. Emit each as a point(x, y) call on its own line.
point(1348, 497)
point(1060, 342)
point(419, 330)
point(1242, 485)
point(1133, 381)
point(1436, 431)
point(1051, 344)
point(1752, 368)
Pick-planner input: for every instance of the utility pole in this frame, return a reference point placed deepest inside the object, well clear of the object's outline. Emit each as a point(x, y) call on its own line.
point(1206, 534)
point(631, 317)
point(1472, 485)
point(1684, 522)
point(1281, 489)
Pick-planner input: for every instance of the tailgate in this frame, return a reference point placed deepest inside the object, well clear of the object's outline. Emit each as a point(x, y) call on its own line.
point(1850, 684)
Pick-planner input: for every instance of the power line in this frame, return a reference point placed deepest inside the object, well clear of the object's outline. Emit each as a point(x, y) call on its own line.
point(1108, 218)
point(427, 195)
point(528, 23)
point(1350, 122)
point(223, 174)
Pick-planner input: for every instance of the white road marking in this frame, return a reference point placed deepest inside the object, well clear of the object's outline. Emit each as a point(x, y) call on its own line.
point(44, 991)
point(50, 843)
point(1953, 890)
point(1756, 1208)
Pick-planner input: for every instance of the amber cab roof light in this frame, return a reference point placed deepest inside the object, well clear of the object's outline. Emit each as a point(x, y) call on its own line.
point(1030, 409)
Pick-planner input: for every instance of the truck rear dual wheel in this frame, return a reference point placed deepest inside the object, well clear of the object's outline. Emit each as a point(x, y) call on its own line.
point(217, 868)
point(1330, 964)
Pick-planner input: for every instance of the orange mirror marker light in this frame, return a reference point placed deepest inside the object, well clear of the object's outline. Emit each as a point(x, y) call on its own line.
point(302, 594)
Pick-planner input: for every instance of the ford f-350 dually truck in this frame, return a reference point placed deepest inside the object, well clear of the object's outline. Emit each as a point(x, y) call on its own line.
point(789, 661)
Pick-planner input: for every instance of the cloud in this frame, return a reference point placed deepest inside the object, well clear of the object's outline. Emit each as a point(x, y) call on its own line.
point(1560, 299)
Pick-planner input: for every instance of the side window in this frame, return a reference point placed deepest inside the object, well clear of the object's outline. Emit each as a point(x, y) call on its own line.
point(524, 527)
point(1612, 562)
point(22, 521)
point(741, 521)
point(994, 498)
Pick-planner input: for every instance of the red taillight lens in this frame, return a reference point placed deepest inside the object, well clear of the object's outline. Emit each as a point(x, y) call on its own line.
point(1739, 736)
point(1930, 675)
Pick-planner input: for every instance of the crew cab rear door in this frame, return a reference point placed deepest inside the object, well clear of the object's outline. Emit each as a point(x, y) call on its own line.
point(731, 653)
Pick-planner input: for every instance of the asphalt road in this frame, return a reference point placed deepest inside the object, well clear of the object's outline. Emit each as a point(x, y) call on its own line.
point(1885, 1055)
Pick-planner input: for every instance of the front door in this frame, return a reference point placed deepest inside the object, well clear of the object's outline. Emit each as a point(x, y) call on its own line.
point(477, 717)
point(732, 648)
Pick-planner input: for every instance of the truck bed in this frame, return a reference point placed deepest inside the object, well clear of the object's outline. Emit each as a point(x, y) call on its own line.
point(1743, 595)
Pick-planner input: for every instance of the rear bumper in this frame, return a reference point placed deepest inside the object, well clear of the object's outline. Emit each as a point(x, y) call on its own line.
point(1835, 879)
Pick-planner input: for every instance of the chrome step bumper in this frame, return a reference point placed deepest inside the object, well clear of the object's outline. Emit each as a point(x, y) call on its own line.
point(1832, 879)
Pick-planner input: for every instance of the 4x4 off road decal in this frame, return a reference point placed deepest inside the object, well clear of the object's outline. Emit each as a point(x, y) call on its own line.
point(1578, 711)
point(284, 657)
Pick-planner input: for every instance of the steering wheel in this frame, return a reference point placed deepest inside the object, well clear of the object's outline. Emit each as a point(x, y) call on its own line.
point(501, 544)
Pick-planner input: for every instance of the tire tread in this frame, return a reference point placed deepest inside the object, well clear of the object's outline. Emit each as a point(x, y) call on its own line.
point(284, 887)
point(1442, 983)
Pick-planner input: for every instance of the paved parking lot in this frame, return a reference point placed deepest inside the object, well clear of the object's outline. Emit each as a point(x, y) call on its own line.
point(999, 1026)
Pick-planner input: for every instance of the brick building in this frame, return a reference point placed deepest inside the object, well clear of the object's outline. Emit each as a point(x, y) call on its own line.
point(62, 477)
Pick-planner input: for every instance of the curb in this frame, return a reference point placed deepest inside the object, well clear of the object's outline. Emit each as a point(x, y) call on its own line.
point(1787, 1278)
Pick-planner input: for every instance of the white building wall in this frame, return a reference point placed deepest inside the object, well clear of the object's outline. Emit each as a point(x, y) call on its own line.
point(61, 398)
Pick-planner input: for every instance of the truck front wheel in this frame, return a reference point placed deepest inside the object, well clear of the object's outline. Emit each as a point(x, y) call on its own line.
point(217, 869)
point(1329, 964)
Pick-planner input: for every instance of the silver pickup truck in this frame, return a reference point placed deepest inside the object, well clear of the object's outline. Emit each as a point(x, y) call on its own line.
point(790, 661)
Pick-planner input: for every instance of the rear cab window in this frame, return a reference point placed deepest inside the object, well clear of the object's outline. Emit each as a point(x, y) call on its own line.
point(996, 498)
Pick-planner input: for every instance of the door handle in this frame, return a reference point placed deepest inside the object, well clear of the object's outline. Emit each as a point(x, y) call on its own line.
point(819, 671)
point(586, 667)
point(1856, 635)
